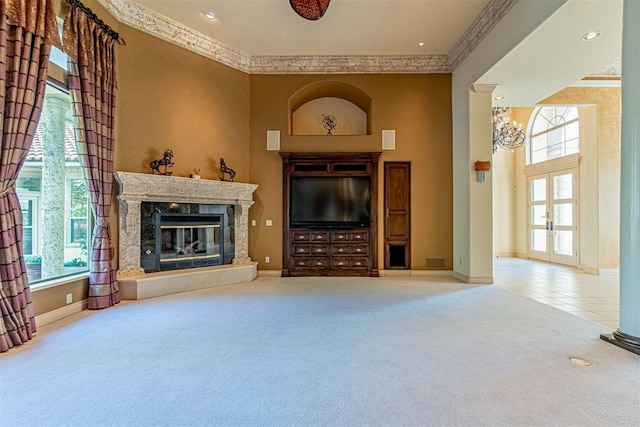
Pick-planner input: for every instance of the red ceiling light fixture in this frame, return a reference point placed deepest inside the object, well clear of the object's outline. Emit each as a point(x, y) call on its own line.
point(310, 9)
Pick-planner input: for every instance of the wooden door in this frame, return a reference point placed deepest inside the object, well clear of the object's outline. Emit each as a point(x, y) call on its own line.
point(397, 215)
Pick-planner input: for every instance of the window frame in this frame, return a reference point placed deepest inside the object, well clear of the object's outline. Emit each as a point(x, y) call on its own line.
point(535, 115)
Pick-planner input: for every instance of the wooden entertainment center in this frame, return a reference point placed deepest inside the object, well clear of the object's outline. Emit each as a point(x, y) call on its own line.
point(331, 247)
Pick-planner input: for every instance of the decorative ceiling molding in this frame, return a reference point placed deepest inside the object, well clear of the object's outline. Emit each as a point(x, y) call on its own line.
point(337, 64)
point(481, 26)
point(160, 26)
point(150, 22)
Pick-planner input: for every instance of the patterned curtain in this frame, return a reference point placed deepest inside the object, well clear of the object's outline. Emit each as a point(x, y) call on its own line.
point(92, 84)
point(27, 31)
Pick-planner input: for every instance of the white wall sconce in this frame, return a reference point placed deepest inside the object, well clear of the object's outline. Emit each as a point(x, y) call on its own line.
point(273, 140)
point(481, 168)
point(388, 139)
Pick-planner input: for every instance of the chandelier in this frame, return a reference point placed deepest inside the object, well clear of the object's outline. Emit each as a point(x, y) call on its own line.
point(506, 134)
point(310, 9)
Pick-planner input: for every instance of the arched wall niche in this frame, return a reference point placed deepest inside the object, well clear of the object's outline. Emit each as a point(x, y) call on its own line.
point(348, 104)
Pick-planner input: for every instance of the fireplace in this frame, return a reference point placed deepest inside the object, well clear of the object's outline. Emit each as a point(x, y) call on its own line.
point(185, 235)
point(173, 226)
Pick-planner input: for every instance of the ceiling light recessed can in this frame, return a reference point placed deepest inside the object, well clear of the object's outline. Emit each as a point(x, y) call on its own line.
point(421, 44)
point(591, 35)
point(499, 97)
point(210, 14)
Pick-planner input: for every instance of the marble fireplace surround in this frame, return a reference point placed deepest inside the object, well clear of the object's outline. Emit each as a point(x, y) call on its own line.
point(136, 188)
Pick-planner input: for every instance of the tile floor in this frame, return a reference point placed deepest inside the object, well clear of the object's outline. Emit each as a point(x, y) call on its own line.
point(586, 295)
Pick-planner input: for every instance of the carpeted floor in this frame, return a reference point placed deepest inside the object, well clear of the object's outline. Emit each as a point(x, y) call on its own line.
point(322, 351)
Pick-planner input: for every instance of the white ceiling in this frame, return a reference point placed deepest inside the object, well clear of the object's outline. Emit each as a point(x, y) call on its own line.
point(349, 27)
point(554, 56)
point(549, 59)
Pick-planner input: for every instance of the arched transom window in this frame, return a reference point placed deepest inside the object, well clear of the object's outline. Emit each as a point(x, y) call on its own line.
point(554, 133)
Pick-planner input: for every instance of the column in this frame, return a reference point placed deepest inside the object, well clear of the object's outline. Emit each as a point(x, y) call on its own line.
point(241, 230)
point(628, 333)
point(53, 120)
point(129, 239)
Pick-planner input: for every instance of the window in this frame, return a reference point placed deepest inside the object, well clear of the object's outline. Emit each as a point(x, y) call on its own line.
point(53, 195)
point(554, 133)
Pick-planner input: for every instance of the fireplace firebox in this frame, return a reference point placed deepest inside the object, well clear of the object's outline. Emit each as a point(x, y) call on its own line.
point(183, 235)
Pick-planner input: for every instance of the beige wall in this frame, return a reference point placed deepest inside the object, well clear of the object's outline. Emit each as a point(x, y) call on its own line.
point(172, 98)
point(607, 103)
point(417, 107)
point(599, 176)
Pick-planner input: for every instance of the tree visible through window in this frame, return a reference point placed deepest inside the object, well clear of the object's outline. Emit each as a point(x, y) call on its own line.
point(554, 133)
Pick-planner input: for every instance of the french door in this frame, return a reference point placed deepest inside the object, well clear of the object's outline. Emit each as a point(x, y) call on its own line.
point(553, 217)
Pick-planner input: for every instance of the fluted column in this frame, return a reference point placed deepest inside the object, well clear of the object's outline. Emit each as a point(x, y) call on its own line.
point(628, 333)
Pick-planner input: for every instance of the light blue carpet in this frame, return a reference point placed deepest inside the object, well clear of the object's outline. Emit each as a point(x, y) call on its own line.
point(322, 351)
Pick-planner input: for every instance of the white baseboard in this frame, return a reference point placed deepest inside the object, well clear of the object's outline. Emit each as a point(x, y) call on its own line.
point(505, 254)
point(415, 273)
point(472, 280)
point(269, 273)
point(61, 313)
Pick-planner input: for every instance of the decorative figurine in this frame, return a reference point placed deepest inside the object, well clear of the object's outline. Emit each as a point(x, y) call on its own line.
point(195, 175)
point(329, 123)
point(164, 161)
point(226, 170)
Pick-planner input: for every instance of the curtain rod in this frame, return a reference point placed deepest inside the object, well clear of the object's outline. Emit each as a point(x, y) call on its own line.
point(106, 28)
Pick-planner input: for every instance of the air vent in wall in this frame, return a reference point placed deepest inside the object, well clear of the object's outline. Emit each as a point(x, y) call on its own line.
point(435, 263)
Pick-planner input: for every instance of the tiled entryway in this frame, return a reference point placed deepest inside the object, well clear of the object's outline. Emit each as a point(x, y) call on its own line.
point(586, 295)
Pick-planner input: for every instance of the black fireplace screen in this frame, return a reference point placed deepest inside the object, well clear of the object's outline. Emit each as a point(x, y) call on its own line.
point(189, 242)
point(176, 236)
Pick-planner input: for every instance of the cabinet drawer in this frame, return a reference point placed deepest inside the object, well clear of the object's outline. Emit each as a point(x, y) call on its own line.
point(319, 236)
point(359, 249)
point(349, 236)
point(340, 249)
point(360, 236)
point(309, 249)
point(346, 262)
point(301, 236)
point(358, 262)
point(304, 262)
point(340, 236)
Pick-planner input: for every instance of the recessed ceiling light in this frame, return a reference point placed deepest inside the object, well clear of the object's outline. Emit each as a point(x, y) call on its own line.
point(499, 97)
point(209, 14)
point(421, 44)
point(591, 35)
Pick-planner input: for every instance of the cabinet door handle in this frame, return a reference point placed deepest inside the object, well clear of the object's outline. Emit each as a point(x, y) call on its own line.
point(340, 250)
point(358, 250)
point(318, 250)
point(358, 263)
point(318, 263)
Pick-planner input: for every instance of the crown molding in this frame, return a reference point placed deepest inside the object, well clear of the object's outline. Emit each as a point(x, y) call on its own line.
point(150, 22)
point(342, 64)
point(481, 26)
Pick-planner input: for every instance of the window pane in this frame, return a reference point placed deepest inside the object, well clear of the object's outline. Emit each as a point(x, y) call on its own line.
point(563, 242)
point(539, 240)
point(563, 186)
point(538, 189)
point(538, 214)
point(563, 214)
point(554, 133)
point(53, 194)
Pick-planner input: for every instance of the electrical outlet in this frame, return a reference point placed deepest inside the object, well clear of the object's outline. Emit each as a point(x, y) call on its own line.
point(268, 223)
point(69, 298)
point(267, 260)
point(253, 223)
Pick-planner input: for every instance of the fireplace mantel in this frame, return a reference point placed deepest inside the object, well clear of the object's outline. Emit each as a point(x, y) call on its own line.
point(136, 188)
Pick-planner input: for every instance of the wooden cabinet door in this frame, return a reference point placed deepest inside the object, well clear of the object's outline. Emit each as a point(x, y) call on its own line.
point(397, 213)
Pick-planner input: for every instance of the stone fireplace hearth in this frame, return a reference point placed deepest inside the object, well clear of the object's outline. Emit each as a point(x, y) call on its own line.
point(136, 188)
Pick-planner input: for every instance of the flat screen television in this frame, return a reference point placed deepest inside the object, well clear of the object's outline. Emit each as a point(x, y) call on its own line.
point(330, 201)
